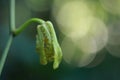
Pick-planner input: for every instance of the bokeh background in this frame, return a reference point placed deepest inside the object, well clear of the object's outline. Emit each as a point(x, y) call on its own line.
point(87, 30)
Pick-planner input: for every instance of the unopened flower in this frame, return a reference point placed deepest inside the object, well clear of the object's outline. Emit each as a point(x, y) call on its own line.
point(47, 45)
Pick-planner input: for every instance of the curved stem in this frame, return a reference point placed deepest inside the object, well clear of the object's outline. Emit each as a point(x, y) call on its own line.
point(4, 55)
point(22, 27)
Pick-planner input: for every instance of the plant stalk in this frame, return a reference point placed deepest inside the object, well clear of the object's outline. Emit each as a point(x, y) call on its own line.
point(12, 28)
point(5, 53)
point(12, 15)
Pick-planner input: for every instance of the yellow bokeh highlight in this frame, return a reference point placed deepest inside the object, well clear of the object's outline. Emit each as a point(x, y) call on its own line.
point(73, 56)
point(85, 34)
point(74, 18)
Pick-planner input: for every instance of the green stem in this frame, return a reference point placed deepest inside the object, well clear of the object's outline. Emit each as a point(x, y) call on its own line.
point(12, 15)
point(26, 24)
point(4, 55)
point(12, 28)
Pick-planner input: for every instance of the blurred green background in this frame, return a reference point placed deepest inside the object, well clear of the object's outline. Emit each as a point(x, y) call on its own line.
point(87, 30)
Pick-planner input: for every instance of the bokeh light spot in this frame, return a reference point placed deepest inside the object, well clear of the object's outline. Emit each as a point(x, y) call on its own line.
point(113, 45)
point(96, 38)
point(114, 50)
point(112, 6)
point(74, 18)
point(73, 56)
point(98, 59)
point(38, 5)
point(114, 33)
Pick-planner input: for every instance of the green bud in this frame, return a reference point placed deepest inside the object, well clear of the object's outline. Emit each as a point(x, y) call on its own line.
point(47, 45)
